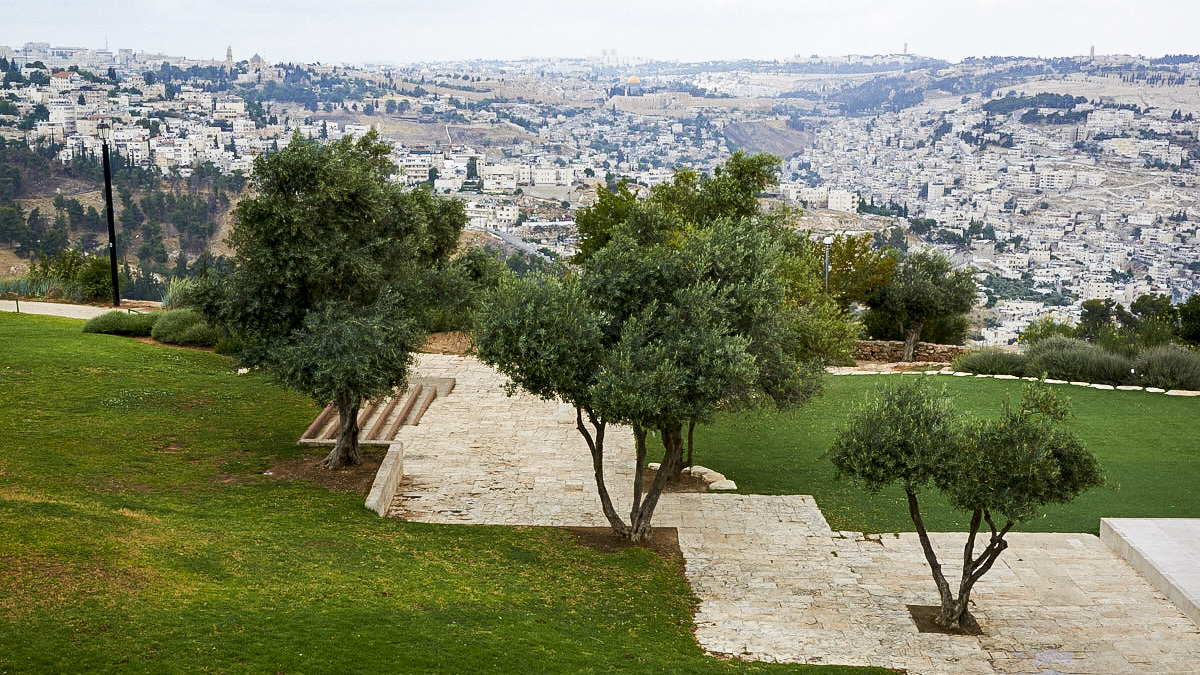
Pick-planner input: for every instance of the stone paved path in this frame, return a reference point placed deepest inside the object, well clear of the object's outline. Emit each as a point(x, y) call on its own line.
point(774, 583)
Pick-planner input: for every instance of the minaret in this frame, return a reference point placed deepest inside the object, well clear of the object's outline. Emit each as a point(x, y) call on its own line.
point(229, 58)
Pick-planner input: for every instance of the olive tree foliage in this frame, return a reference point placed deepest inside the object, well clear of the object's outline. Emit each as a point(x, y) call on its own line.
point(1001, 471)
point(924, 288)
point(652, 334)
point(332, 270)
point(680, 213)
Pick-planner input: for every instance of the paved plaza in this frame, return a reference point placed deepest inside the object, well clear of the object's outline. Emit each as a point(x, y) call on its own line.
point(773, 581)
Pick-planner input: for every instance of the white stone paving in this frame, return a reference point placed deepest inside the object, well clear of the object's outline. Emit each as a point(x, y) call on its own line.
point(774, 583)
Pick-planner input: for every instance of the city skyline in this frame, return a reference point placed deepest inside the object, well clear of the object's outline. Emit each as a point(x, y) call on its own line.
point(376, 31)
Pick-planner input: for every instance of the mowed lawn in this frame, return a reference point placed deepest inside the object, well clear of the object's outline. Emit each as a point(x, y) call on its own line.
point(1148, 445)
point(138, 534)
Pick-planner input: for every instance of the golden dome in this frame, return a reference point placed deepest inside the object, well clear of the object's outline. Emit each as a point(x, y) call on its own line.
point(633, 79)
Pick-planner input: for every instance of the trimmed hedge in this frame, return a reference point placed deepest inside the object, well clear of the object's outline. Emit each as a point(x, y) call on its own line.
point(1064, 358)
point(184, 327)
point(1169, 367)
point(992, 362)
point(1083, 364)
point(117, 322)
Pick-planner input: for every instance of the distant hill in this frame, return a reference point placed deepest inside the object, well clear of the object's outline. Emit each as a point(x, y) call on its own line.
point(773, 137)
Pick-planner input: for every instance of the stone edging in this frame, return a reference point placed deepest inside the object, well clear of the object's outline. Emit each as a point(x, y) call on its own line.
point(954, 373)
point(383, 490)
point(717, 482)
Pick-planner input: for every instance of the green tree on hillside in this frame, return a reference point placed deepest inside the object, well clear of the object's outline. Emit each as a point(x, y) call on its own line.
point(329, 283)
point(924, 288)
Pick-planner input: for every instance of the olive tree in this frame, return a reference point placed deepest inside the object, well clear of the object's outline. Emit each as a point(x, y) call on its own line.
point(331, 275)
point(652, 335)
point(925, 287)
point(1001, 471)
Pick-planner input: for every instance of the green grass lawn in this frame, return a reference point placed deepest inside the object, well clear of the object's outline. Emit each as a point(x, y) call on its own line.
point(1147, 444)
point(138, 534)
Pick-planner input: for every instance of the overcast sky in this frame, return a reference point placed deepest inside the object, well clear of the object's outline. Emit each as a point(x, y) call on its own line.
point(687, 30)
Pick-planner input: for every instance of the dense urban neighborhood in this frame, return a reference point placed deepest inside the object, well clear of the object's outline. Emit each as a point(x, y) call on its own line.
point(1057, 180)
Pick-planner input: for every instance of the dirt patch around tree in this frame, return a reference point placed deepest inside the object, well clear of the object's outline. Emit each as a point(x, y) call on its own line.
point(357, 478)
point(663, 541)
point(686, 483)
point(923, 615)
point(151, 341)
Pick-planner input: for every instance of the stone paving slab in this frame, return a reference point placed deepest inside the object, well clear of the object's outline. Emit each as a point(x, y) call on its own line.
point(1164, 550)
point(773, 581)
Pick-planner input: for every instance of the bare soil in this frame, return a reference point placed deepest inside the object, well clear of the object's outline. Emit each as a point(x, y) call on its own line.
point(923, 615)
point(453, 342)
point(663, 540)
point(357, 479)
point(152, 341)
point(686, 482)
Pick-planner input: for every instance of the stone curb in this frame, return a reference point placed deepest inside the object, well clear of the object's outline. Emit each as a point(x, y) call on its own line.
point(946, 371)
point(717, 482)
point(387, 478)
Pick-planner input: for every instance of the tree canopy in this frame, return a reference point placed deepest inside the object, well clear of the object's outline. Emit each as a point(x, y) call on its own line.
point(328, 290)
point(1001, 470)
point(679, 312)
point(923, 289)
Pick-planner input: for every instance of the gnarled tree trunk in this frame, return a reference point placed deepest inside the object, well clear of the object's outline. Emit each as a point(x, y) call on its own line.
point(345, 450)
point(911, 336)
point(643, 506)
point(596, 447)
point(954, 612)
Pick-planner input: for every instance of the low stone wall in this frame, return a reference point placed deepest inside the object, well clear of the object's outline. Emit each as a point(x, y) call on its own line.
point(386, 480)
point(892, 351)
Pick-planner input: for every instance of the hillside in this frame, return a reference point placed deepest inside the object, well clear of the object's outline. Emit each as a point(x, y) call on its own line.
point(773, 137)
point(46, 206)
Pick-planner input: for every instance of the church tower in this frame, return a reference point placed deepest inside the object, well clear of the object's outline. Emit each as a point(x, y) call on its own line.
point(229, 58)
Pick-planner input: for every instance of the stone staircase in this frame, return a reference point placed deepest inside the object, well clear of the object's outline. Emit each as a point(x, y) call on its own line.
point(380, 420)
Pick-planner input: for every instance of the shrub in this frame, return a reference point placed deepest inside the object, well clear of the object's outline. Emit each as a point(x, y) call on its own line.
point(1054, 343)
point(95, 279)
point(184, 327)
point(1169, 367)
point(991, 362)
point(1071, 359)
point(117, 322)
point(179, 293)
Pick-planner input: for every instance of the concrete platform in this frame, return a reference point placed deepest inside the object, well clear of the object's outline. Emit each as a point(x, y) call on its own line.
point(1164, 550)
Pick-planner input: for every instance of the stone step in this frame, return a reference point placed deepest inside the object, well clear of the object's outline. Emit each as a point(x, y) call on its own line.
point(380, 420)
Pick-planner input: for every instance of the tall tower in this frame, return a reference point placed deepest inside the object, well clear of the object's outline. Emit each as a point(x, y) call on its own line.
point(229, 58)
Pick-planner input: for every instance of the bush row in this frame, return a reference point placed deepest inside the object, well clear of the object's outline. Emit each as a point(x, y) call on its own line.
point(117, 322)
point(1064, 358)
point(178, 327)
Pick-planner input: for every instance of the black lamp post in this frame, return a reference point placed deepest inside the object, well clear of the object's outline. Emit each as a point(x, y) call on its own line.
point(828, 241)
point(105, 131)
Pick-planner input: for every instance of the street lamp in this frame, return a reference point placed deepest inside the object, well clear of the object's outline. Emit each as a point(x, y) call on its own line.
point(828, 241)
point(105, 132)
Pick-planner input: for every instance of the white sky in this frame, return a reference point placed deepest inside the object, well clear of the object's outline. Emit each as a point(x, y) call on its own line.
point(688, 30)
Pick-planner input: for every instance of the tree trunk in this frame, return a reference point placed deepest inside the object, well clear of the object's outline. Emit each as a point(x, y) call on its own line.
point(954, 612)
point(935, 567)
point(910, 340)
point(672, 439)
point(691, 429)
point(639, 465)
point(345, 450)
point(596, 447)
point(684, 463)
